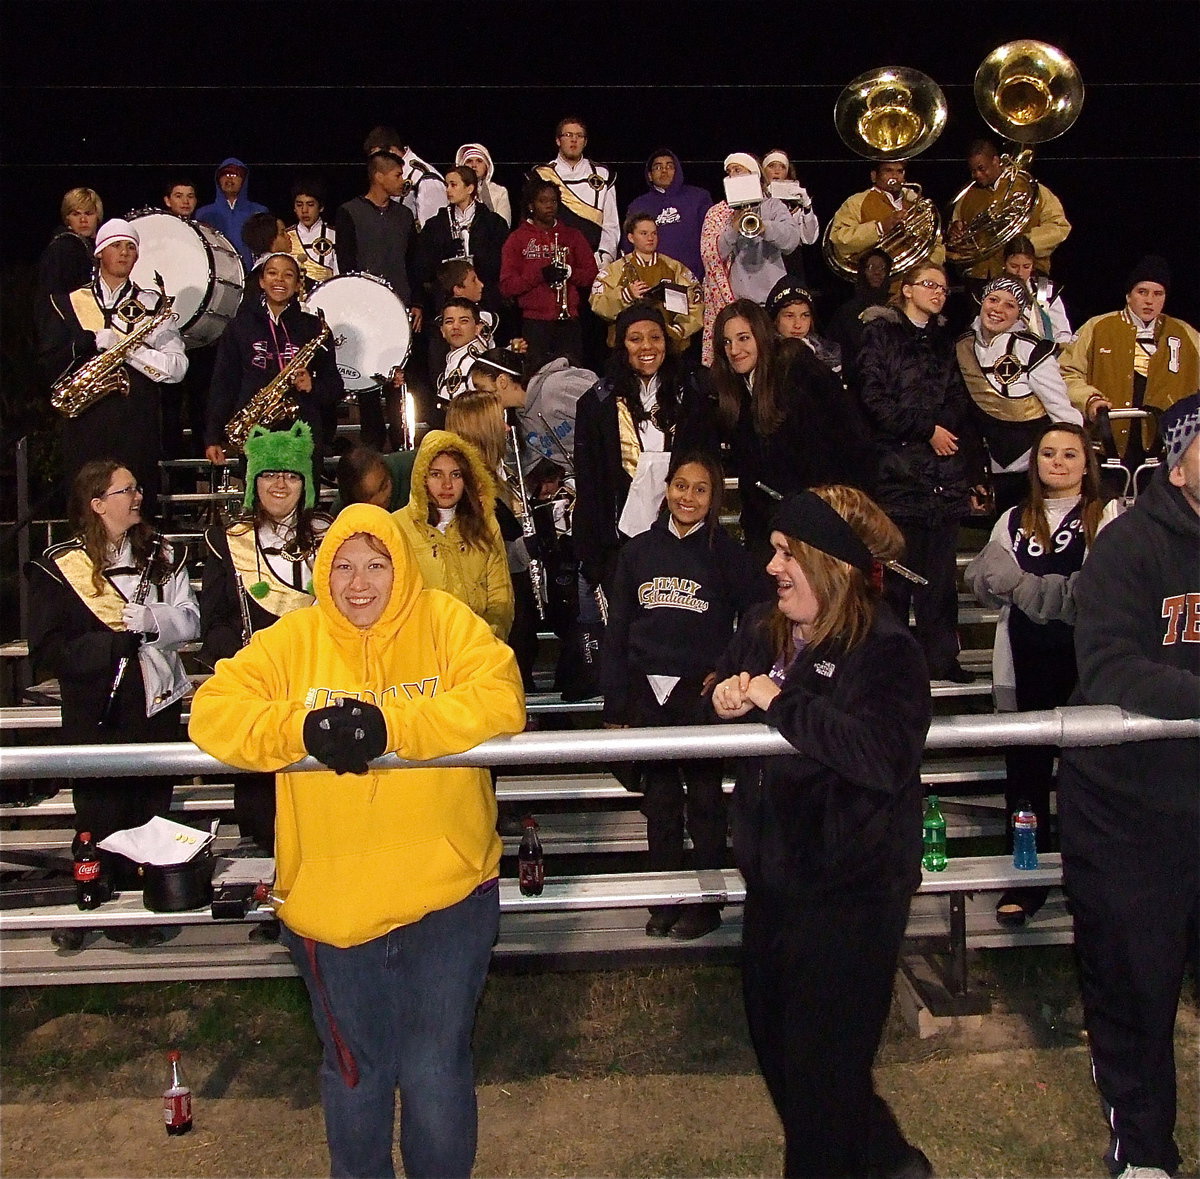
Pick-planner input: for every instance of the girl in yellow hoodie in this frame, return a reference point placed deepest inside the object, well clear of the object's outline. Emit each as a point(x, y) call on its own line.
point(388, 877)
point(450, 521)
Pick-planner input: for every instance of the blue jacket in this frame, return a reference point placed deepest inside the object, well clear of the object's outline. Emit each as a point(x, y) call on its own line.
point(230, 219)
point(679, 211)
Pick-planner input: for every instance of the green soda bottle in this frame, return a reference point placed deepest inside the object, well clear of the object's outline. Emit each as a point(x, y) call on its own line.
point(933, 836)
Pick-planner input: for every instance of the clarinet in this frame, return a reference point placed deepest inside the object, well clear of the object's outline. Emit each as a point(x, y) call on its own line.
point(537, 575)
point(109, 714)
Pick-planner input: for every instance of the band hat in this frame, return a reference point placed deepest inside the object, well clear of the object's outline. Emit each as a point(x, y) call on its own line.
point(115, 230)
point(1150, 268)
point(1012, 286)
point(741, 157)
point(786, 290)
point(1179, 428)
point(807, 517)
point(776, 157)
point(280, 450)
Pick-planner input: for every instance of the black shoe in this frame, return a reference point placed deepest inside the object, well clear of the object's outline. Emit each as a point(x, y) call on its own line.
point(956, 674)
point(137, 937)
point(694, 922)
point(916, 1166)
point(266, 931)
point(70, 940)
point(1017, 905)
point(661, 921)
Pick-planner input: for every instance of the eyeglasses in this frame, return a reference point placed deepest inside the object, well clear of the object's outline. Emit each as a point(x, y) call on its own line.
point(132, 490)
point(930, 285)
point(572, 135)
point(286, 476)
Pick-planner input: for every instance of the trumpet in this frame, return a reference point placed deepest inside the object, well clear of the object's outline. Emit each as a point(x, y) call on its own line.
point(750, 223)
point(561, 256)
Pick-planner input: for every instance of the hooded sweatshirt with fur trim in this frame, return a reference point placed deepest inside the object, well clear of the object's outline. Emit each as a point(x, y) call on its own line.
point(477, 576)
point(360, 855)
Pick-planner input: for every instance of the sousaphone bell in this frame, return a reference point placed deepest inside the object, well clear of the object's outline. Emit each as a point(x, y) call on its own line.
point(893, 113)
point(1027, 92)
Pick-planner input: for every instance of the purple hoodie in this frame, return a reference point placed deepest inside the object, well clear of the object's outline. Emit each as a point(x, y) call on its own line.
point(679, 211)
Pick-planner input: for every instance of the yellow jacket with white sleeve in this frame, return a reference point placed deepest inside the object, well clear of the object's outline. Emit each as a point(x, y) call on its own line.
point(360, 855)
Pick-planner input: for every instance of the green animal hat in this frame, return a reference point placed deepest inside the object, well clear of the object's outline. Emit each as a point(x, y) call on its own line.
point(280, 450)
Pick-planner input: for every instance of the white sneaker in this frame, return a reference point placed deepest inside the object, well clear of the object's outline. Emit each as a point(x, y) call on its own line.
point(1132, 1172)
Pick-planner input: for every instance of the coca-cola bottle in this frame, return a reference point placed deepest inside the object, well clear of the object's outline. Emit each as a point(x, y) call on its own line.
point(177, 1100)
point(91, 887)
point(531, 867)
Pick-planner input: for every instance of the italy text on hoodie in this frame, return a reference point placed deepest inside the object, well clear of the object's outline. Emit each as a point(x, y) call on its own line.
point(358, 855)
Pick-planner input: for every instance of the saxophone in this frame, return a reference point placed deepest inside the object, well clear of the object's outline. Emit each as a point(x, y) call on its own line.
point(105, 373)
point(273, 403)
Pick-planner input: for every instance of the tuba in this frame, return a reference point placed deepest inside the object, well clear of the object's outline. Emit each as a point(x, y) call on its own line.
point(1029, 92)
point(891, 114)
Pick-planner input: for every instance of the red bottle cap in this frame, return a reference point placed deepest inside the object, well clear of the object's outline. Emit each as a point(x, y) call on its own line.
point(173, 1055)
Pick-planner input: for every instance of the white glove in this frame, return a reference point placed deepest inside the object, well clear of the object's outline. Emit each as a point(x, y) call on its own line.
point(804, 199)
point(106, 338)
point(139, 618)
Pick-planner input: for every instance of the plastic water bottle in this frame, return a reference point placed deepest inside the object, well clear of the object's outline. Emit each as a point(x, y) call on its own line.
point(177, 1099)
point(1024, 823)
point(933, 836)
point(531, 867)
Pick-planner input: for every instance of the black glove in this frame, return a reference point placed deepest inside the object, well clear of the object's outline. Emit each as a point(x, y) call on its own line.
point(125, 644)
point(346, 736)
point(554, 274)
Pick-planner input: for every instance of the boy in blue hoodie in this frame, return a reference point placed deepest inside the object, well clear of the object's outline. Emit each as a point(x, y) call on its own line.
point(232, 206)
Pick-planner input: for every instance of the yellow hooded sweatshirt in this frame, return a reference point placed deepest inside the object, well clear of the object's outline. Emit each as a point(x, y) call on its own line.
point(359, 855)
point(478, 577)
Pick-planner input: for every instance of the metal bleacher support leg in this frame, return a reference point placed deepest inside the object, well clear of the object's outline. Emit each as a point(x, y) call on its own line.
point(939, 977)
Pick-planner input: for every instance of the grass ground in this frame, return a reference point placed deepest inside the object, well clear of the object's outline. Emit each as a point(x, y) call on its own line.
point(635, 1072)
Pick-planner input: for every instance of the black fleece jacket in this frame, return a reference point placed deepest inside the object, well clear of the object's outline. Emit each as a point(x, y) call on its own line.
point(841, 818)
point(1137, 643)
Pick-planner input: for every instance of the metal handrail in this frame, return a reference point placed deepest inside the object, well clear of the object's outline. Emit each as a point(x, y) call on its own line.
point(1065, 727)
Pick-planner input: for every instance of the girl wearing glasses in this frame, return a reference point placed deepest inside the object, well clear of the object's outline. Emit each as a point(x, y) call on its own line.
point(257, 569)
point(930, 461)
point(109, 610)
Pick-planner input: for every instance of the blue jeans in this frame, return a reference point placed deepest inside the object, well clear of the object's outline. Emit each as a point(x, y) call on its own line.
point(397, 1013)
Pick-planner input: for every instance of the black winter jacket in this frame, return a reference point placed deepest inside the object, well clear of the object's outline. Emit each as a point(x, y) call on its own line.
point(822, 439)
point(909, 382)
point(247, 360)
point(601, 482)
point(1137, 642)
point(840, 819)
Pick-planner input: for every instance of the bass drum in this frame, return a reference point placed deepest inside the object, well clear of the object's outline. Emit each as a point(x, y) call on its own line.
point(371, 331)
point(199, 268)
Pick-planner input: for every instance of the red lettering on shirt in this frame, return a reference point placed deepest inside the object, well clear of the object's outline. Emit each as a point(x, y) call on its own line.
point(1172, 610)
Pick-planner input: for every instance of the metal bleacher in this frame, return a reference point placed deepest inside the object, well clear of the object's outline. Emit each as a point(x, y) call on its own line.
point(593, 909)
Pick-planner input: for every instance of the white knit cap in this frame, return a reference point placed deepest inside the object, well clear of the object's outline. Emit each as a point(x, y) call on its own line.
point(115, 230)
point(776, 157)
point(741, 157)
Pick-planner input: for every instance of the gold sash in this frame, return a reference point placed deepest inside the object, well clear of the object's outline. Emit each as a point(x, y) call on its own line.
point(1025, 408)
point(76, 568)
point(280, 598)
point(569, 199)
point(631, 445)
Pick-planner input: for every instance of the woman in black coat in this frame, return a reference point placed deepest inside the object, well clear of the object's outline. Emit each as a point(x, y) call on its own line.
point(931, 469)
point(828, 837)
point(648, 403)
point(785, 415)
